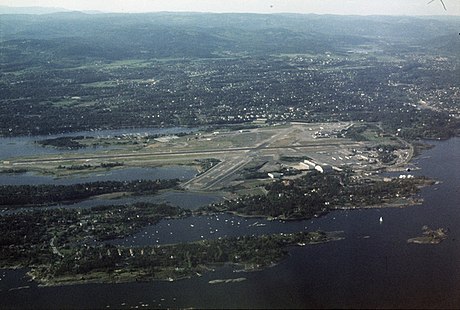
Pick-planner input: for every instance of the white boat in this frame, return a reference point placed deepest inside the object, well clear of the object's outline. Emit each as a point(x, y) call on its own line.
point(381, 219)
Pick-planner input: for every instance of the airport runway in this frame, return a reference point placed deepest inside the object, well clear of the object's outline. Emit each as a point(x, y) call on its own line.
point(179, 153)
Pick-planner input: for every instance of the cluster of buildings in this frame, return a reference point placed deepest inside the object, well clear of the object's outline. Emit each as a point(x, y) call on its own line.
point(307, 165)
point(323, 168)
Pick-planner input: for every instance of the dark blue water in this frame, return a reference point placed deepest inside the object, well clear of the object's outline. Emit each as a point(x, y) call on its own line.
point(373, 267)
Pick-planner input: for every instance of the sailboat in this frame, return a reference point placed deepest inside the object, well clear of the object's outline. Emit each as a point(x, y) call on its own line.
point(381, 219)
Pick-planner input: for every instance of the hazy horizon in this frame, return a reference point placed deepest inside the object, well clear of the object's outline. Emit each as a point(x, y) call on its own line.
point(339, 7)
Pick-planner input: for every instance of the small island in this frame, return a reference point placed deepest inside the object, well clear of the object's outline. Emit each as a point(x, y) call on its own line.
point(430, 236)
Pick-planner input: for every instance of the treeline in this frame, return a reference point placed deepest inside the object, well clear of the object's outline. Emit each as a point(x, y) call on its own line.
point(38, 195)
point(206, 164)
point(107, 165)
point(294, 159)
point(64, 142)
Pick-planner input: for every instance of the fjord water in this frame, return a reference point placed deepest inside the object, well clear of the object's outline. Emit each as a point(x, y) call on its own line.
point(373, 266)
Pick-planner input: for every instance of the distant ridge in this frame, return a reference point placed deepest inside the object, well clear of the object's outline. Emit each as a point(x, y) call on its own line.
point(30, 10)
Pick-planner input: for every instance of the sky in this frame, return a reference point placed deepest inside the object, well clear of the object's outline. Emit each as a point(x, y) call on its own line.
point(343, 7)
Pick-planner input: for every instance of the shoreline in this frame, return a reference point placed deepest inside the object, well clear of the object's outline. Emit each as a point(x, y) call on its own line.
point(404, 203)
point(167, 274)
